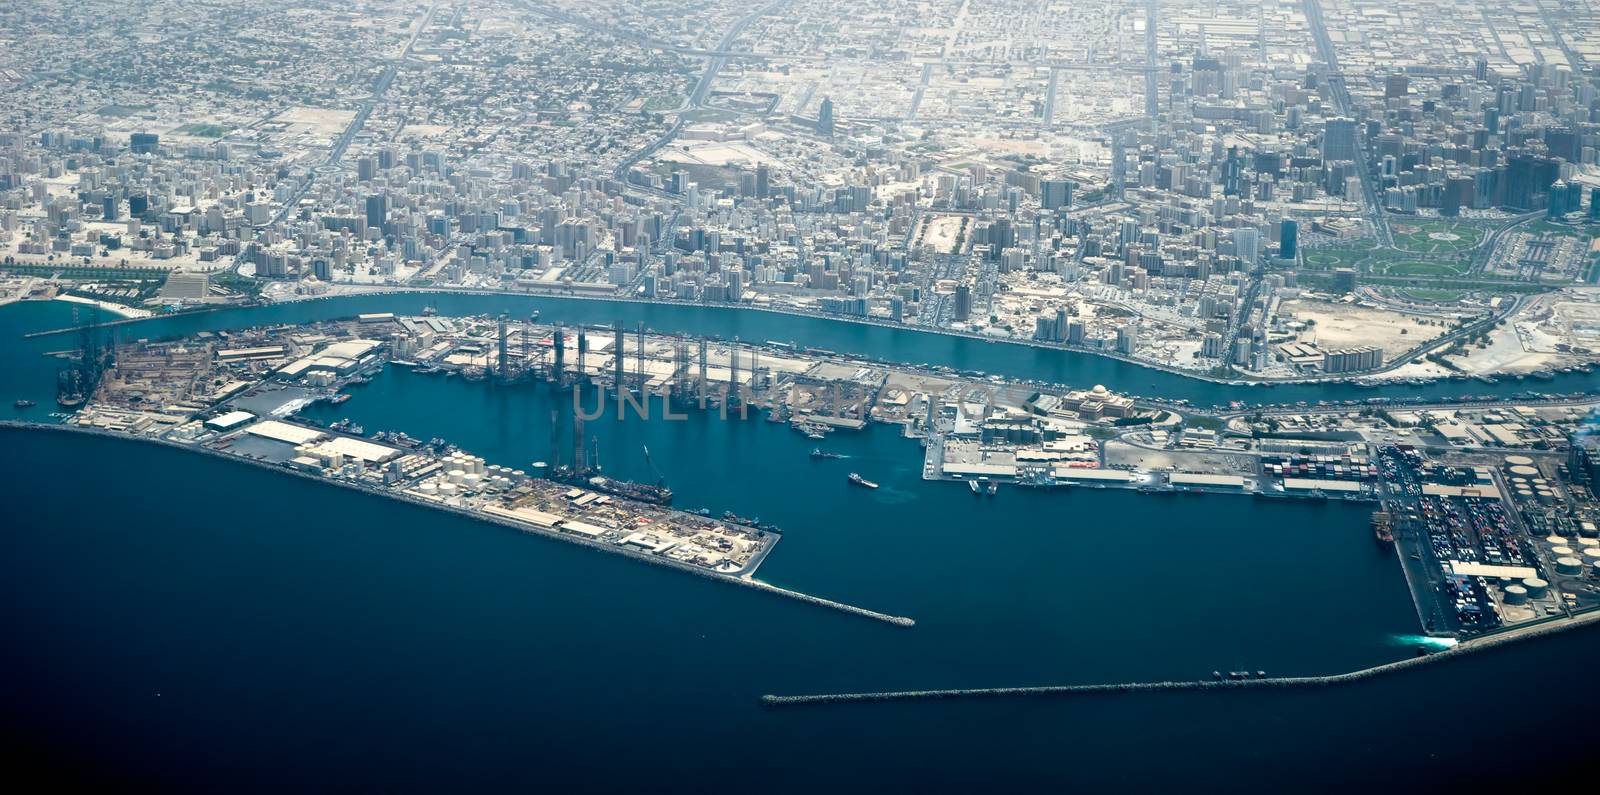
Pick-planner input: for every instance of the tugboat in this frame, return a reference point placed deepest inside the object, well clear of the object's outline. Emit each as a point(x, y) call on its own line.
point(23, 404)
point(817, 452)
point(861, 481)
point(1382, 527)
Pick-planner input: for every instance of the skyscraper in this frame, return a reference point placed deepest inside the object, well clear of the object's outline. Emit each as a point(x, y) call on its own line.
point(825, 118)
point(378, 211)
point(144, 143)
point(1289, 239)
point(963, 310)
point(1339, 140)
point(1055, 194)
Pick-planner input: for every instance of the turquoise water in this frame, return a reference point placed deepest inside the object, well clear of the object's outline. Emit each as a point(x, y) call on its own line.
point(178, 619)
point(889, 344)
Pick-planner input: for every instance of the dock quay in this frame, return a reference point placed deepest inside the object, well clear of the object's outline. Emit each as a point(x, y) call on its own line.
point(1471, 562)
point(1474, 645)
point(742, 578)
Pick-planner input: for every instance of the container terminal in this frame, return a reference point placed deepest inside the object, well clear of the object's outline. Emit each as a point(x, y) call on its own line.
point(1489, 505)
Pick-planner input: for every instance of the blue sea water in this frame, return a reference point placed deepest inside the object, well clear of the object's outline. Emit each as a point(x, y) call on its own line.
point(180, 622)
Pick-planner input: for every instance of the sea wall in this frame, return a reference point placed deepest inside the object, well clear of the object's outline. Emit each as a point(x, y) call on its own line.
point(1472, 646)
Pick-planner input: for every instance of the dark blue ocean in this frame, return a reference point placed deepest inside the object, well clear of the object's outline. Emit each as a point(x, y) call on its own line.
point(178, 622)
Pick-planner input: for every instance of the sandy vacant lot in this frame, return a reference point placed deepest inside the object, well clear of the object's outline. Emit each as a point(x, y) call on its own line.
point(1349, 326)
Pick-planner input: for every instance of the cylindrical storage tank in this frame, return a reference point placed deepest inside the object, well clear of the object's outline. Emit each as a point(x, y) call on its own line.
point(1562, 552)
point(517, 475)
point(429, 489)
point(1568, 565)
point(456, 475)
point(1592, 553)
point(471, 481)
point(1518, 461)
point(1588, 542)
point(1556, 540)
point(1524, 471)
point(1516, 595)
point(1536, 587)
point(447, 490)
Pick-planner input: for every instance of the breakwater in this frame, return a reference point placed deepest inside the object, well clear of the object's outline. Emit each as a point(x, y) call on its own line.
point(1479, 644)
point(744, 581)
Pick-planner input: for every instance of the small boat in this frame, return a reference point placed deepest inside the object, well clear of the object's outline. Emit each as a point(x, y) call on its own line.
point(861, 481)
point(23, 404)
point(817, 452)
point(339, 398)
point(991, 489)
point(976, 487)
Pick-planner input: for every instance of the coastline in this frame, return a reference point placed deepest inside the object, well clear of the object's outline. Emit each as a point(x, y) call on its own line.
point(1361, 379)
point(124, 312)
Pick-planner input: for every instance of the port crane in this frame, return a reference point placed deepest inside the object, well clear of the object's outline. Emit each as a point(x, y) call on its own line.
point(661, 480)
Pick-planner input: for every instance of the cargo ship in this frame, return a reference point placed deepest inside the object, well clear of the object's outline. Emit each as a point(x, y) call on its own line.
point(861, 481)
point(655, 495)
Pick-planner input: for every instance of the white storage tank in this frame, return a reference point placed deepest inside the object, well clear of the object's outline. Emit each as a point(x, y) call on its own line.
point(1569, 565)
point(1536, 587)
point(1516, 595)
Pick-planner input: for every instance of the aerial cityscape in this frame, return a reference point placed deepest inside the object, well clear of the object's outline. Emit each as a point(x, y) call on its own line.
point(1024, 365)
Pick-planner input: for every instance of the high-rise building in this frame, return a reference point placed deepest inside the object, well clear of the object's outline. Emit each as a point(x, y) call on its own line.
point(378, 211)
point(1289, 239)
point(1339, 140)
point(1127, 338)
point(825, 118)
point(963, 309)
point(144, 143)
point(1055, 194)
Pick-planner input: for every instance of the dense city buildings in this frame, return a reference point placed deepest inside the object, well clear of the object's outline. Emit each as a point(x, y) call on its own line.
point(1179, 385)
point(1194, 185)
